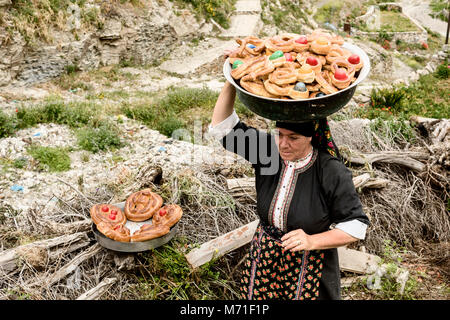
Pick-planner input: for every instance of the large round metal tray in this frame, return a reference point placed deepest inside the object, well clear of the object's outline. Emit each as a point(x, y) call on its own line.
point(133, 246)
point(300, 110)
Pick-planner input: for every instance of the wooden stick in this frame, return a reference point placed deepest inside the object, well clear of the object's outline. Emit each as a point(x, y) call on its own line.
point(96, 292)
point(401, 158)
point(9, 258)
point(71, 266)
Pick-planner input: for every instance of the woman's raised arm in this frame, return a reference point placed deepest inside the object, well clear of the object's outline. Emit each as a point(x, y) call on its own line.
point(224, 104)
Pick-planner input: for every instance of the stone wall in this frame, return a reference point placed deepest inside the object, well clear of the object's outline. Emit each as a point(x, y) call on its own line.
point(145, 37)
point(408, 36)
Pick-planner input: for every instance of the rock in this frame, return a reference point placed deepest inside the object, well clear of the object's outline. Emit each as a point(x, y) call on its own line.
point(4, 3)
point(111, 30)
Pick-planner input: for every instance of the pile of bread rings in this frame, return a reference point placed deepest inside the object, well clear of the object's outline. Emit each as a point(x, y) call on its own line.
point(139, 206)
point(292, 66)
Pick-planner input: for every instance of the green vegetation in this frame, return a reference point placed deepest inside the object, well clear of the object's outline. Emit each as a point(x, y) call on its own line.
point(51, 159)
point(166, 275)
point(427, 97)
point(36, 20)
point(392, 21)
point(72, 114)
point(6, 125)
point(218, 10)
point(439, 8)
point(288, 16)
point(103, 138)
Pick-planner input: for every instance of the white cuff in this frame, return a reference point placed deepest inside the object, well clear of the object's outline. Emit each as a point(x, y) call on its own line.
point(220, 130)
point(355, 228)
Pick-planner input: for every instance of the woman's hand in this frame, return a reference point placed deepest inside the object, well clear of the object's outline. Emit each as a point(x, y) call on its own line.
point(297, 240)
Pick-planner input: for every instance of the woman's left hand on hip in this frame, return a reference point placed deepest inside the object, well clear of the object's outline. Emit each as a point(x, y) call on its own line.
point(297, 240)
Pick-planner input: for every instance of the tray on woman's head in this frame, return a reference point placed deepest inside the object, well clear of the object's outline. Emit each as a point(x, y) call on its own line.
point(305, 109)
point(133, 246)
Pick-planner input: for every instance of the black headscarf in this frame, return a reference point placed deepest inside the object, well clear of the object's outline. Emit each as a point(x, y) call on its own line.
point(319, 130)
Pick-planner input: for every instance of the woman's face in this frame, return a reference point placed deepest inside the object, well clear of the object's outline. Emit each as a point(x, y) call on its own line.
point(292, 146)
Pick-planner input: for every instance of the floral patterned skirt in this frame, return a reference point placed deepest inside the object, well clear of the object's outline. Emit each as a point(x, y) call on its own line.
point(272, 273)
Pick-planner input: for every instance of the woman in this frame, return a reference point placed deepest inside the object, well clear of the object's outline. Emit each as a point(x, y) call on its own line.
point(306, 202)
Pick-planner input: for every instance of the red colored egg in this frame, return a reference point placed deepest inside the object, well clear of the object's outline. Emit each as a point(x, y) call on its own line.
point(340, 74)
point(312, 61)
point(302, 40)
point(114, 212)
point(162, 212)
point(105, 209)
point(112, 216)
point(354, 59)
point(288, 56)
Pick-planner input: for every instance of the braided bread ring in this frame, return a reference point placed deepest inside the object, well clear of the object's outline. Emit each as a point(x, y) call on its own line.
point(279, 43)
point(248, 66)
point(142, 205)
point(264, 70)
point(256, 87)
point(304, 76)
point(150, 231)
point(276, 89)
point(98, 215)
point(283, 76)
point(258, 43)
point(319, 48)
point(118, 232)
point(325, 87)
point(342, 84)
point(296, 95)
point(168, 215)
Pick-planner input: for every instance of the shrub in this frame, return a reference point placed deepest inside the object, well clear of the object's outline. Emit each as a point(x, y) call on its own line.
point(7, 126)
point(50, 159)
point(443, 71)
point(102, 138)
point(387, 98)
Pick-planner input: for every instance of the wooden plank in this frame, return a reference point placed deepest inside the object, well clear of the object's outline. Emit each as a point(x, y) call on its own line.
point(349, 259)
point(96, 292)
point(357, 261)
point(222, 245)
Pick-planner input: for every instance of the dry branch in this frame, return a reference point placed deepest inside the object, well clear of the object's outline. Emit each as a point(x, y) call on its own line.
point(96, 292)
point(9, 259)
point(406, 159)
point(71, 266)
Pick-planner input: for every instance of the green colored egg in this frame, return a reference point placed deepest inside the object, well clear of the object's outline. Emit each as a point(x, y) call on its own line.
point(276, 55)
point(236, 64)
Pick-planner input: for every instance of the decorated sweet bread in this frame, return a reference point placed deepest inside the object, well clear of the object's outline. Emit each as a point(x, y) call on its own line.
point(141, 205)
point(108, 214)
point(150, 231)
point(168, 215)
point(321, 45)
point(293, 66)
point(306, 74)
point(256, 87)
point(116, 232)
point(341, 77)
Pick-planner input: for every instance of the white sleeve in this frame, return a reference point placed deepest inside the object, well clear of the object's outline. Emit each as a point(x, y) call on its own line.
point(221, 129)
point(355, 228)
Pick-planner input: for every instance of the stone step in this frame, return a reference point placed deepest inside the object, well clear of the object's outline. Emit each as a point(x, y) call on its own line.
point(248, 6)
point(205, 53)
point(242, 25)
